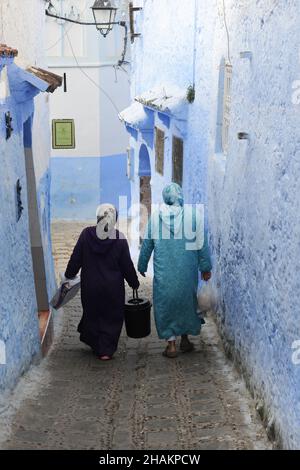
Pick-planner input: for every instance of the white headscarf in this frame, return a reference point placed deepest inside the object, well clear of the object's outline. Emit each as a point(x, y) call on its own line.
point(106, 220)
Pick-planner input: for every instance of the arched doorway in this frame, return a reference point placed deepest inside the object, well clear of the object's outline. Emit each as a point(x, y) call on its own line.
point(145, 188)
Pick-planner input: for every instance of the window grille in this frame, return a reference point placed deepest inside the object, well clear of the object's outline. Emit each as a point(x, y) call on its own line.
point(177, 159)
point(159, 150)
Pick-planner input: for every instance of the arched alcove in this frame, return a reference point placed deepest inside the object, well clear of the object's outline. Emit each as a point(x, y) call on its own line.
point(144, 162)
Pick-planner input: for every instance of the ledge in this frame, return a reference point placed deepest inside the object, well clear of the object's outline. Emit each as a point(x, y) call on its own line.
point(136, 117)
point(168, 100)
point(7, 55)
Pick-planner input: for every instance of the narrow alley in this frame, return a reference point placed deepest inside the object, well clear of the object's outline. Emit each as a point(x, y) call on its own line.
point(177, 123)
point(140, 400)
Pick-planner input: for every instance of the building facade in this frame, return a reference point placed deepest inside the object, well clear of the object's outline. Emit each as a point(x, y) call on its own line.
point(97, 88)
point(27, 280)
point(215, 104)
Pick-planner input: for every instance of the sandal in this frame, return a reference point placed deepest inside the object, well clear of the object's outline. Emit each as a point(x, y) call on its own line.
point(186, 345)
point(169, 354)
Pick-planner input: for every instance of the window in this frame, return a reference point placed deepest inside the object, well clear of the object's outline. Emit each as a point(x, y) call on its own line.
point(130, 163)
point(159, 150)
point(177, 159)
point(226, 107)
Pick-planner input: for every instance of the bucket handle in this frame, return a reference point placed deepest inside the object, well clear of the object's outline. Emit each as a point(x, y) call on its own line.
point(135, 294)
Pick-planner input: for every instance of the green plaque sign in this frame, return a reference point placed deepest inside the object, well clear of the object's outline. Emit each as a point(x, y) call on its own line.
point(63, 134)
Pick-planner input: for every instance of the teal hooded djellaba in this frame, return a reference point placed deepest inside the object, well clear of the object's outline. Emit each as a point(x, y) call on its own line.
point(175, 233)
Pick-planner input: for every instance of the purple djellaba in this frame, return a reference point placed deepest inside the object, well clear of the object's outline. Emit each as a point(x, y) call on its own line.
point(102, 254)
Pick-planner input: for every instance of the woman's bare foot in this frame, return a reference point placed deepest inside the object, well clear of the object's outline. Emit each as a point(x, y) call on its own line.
point(105, 358)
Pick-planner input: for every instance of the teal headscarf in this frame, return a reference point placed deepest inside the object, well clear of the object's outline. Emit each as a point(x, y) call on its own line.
point(173, 195)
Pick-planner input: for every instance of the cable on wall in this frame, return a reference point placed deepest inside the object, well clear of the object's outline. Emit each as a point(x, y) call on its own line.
point(227, 31)
point(122, 60)
point(66, 29)
point(91, 79)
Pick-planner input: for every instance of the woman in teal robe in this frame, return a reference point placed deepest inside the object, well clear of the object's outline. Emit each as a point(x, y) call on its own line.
point(176, 236)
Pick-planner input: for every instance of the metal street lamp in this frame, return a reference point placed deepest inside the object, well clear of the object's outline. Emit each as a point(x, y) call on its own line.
point(104, 12)
point(104, 15)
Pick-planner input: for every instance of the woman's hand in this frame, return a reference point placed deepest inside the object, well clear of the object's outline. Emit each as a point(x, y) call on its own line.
point(206, 276)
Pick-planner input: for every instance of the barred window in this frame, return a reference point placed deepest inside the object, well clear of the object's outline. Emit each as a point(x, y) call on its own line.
point(159, 150)
point(177, 159)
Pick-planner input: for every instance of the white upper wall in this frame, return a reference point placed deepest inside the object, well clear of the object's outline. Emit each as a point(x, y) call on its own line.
point(96, 91)
point(81, 103)
point(167, 39)
point(23, 27)
point(113, 136)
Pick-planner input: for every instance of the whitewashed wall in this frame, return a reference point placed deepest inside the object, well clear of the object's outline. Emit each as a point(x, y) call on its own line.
point(98, 129)
point(251, 194)
point(22, 27)
point(96, 92)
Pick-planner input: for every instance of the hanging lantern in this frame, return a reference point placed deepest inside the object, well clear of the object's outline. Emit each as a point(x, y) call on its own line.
point(105, 15)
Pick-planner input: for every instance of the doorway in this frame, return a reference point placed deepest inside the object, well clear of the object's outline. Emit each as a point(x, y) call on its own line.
point(145, 188)
point(37, 251)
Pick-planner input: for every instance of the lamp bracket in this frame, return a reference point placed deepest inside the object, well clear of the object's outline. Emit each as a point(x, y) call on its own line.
point(83, 23)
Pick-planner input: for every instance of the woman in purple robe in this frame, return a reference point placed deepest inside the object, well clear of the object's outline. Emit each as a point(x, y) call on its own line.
point(102, 254)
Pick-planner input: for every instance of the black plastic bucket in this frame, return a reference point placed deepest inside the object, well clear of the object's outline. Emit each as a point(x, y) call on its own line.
point(138, 317)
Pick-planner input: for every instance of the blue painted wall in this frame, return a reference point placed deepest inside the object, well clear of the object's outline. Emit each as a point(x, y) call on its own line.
point(75, 188)
point(80, 184)
point(43, 198)
point(18, 311)
point(252, 193)
point(19, 327)
point(113, 180)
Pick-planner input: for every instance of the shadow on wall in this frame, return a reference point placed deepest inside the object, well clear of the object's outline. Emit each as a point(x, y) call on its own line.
point(80, 184)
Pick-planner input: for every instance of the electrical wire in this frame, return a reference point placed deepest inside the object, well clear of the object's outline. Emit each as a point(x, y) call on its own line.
point(121, 62)
point(66, 29)
point(119, 67)
point(59, 40)
point(91, 79)
point(227, 31)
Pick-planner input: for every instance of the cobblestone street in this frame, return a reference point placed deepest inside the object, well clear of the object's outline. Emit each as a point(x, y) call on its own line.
point(140, 400)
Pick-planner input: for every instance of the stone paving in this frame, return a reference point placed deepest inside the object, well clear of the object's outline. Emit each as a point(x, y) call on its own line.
point(140, 400)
